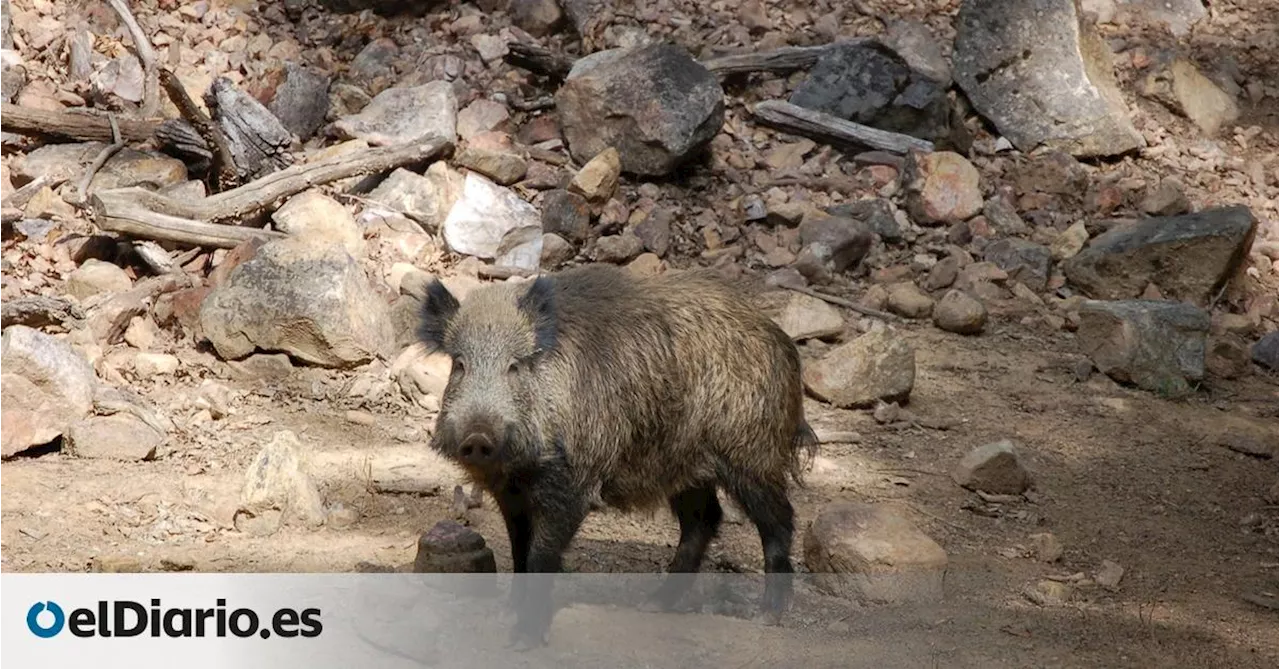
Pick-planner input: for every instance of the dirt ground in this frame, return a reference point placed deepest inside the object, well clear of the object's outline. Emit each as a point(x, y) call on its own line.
point(1120, 475)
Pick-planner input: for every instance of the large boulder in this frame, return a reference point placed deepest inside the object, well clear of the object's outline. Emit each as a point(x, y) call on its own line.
point(1156, 345)
point(47, 387)
point(310, 300)
point(873, 554)
point(879, 365)
point(1188, 257)
point(1039, 72)
point(655, 104)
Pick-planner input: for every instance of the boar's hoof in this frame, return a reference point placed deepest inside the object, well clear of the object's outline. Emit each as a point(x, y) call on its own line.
point(522, 639)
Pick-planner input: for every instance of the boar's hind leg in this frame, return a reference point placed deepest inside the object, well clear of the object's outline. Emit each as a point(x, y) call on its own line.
point(699, 514)
point(768, 507)
point(555, 512)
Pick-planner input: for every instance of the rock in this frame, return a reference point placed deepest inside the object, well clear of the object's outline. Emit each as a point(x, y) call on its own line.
point(120, 436)
point(320, 219)
point(141, 333)
point(1052, 172)
point(301, 100)
point(1188, 257)
point(278, 490)
point(914, 42)
point(1021, 261)
point(1047, 547)
point(1047, 592)
point(94, 277)
point(1069, 242)
point(1166, 199)
point(943, 274)
point(598, 179)
point(838, 243)
point(1043, 76)
point(908, 301)
point(655, 104)
point(555, 251)
point(539, 18)
point(646, 264)
point(422, 376)
point(941, 187)
point(375, 60)
point(1109, 575)
point(521, 248)
point(313, 302)
point(47, 387)
point(872, 553)
point(484, 215)
point(1250, 445)
point(147, 365)
point(1226, 358)
point(879, 365)
point(807, 317)
point(503, 167)
point(1266, 350)
point(490, 48)
point(427, 199)
point(993, 468)
point(655, 231)
point(1158, 346)
point(960, 312)
point(875, 213)
point(1003, 217)
point(482, 115)
point(1178, 15)
point(566, 214)
point(1184, 89)
point(404, 115)
point(870, 84)
point(453, 548)
point(618, 248)
point(268, 367)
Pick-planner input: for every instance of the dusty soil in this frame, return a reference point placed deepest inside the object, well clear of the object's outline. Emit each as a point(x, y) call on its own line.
point(1120, 475)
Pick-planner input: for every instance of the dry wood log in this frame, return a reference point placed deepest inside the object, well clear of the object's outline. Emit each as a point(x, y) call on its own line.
point(258, 141)
point(146, 57)
point(841, 302)
point(833, 129)
point(782, 60)
point(78, 125)
point(253, 197)
point(131, 218)
point(222, 173)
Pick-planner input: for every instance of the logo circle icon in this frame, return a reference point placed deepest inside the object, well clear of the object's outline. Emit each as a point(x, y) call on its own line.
point(33, 619)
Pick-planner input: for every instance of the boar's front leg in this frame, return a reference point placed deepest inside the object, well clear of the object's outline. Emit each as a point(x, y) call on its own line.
point(554, 510)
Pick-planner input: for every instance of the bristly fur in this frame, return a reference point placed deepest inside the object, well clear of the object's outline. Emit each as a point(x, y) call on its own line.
point(439, 307)
point(538, 303)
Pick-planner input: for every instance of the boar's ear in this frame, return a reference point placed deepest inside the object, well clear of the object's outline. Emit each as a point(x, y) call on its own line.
point(437, 310)
point(538, 303)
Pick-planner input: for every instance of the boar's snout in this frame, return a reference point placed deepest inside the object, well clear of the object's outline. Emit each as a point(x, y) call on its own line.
point(478, 449)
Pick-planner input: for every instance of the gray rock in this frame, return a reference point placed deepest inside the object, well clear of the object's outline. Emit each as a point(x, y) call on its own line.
point(521, 248)
point(1167, 198)
point(483, 217)
point(1265, 351)
point(943, 274)
point(501, 167)
point(427, 199)
point(482, 115)
point(907, 300)
point(807, 317)
point(6, 25)
point(1183, 88)
point(655, 104)
point(993, 468)
point(453, 548)
point(1042, 75)
point(278, 490)
point(618, 248)
point(312, 301)
point(870, 84)
point(879, 365)
point(914, 42)
point(1189, 257)
point(94, 277)
point(319, 218)
point(1022, 260)
point(301, 101)
point(1003, 217)
point(872, 554)
point(116, 437)
point(1156, 345)
point(47, 387)
point(655, 231)
point(838, 243)
point(376, 59)
point(555, 251)
point(127, 167)
point(403, 115)
point(539, 18)
point(566, 214)
point(960, 312)
point(875, 213)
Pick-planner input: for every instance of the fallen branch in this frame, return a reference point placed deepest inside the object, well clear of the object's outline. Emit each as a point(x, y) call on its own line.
point(78, 125)
point(782, 60)
point(222, 172)
point(538, 60)
point(840, 302)
point(19, 198)
point(253, 197)
point(834, 130)
point(146, 56)
point(117, 143)
point(136, 220)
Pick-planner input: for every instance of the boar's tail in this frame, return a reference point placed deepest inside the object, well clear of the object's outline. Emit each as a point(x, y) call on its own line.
point(804, 450)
